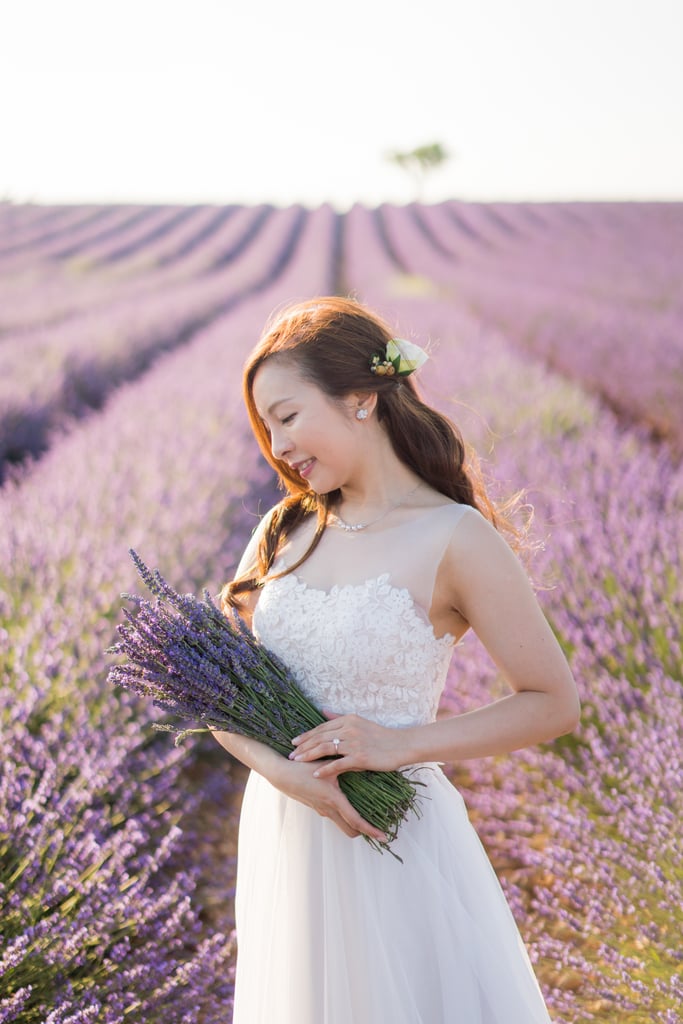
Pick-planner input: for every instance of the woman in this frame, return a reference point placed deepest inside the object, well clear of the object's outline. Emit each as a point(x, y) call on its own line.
point(383, 554)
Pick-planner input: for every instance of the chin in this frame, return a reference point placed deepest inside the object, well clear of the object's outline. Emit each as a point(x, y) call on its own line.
point(334, 489)
point(324, 487)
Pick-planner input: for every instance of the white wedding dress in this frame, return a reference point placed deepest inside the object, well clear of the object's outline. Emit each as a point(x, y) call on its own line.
point(330, 931)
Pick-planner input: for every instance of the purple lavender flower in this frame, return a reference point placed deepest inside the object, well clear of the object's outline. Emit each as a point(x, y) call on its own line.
point(583, 831)
point(201, 665)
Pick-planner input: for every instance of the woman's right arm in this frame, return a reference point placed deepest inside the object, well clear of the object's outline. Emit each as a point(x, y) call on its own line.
point(294, 779)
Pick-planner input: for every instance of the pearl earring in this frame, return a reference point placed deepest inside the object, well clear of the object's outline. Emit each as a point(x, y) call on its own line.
point(361, 414)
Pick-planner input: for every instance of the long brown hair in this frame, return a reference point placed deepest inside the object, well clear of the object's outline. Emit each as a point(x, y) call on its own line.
point(331, 341)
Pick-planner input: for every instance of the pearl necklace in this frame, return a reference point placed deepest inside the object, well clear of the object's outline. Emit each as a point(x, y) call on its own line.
point(336, 520)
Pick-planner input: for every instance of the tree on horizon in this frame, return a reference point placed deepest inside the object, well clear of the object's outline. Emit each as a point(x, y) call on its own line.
point(419, 161)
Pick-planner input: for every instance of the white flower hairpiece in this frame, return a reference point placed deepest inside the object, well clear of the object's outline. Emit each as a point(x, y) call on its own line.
point(401, 358)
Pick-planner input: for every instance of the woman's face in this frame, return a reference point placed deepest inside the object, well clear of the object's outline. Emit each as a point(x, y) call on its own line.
point(316, 435)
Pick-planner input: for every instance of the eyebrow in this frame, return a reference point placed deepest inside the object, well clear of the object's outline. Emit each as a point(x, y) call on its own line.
point(275, 404)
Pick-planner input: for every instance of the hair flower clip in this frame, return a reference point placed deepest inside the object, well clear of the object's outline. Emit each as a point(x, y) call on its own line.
point(401, 358)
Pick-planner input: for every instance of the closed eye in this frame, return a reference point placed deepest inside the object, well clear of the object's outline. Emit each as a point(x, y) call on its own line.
point(288, 419)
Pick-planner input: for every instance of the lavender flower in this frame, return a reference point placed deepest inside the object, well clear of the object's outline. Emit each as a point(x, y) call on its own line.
point(199, 664)
point(583, 831)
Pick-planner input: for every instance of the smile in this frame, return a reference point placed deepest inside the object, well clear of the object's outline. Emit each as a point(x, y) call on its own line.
point(303, 468)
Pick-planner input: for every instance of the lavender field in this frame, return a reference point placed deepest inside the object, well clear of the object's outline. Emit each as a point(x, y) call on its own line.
point(556, 333)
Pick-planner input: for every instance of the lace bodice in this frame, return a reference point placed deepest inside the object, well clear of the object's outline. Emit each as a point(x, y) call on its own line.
point(366, 647)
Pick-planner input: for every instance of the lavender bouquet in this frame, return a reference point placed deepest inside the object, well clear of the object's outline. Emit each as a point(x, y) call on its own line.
point(202, 665)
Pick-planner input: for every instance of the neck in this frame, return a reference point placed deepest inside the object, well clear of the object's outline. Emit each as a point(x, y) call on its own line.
point(360, 502)
point(380, 481)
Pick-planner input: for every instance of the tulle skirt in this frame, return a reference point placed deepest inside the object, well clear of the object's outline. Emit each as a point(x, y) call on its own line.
point(329, 931)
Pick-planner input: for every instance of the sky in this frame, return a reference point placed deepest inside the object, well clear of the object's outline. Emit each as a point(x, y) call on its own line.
point(284, 101)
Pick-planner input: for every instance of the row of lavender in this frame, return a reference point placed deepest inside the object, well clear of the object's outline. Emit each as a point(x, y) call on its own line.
point(89, 297)
point(76, 265)
point(92, 807)
point(52, 372)
point(560, 438)
point(584, 830)
point(597, 297)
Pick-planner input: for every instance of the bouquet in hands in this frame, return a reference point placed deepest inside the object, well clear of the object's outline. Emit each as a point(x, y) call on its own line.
point(202, 665)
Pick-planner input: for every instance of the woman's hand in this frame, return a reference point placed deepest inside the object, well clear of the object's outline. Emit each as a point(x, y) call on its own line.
point(302, 782)
point(363, 745)
point(299, 782)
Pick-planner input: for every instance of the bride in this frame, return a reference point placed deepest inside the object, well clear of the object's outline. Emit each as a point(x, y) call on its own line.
point(383, 553)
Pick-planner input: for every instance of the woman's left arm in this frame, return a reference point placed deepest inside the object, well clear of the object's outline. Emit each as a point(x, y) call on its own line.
point(492, 593)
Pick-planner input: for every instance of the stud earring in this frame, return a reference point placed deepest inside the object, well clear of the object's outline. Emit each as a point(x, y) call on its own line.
point(361, 414)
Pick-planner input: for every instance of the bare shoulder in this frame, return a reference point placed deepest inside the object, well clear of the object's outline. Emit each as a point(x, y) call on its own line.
point(248, 563)
point(249, 559)
point(480, 563)
point(490, 588)
point(475, 536)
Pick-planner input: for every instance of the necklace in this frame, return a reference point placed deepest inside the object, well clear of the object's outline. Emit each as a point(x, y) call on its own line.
point(355, 527)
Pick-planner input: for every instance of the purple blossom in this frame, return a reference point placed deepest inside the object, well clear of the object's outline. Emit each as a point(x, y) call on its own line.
point(582, 831)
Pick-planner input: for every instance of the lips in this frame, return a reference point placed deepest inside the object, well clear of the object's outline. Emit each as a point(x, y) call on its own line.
point(304, 467)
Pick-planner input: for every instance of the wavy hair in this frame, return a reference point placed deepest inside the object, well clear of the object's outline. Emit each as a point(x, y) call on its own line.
point(331, 341)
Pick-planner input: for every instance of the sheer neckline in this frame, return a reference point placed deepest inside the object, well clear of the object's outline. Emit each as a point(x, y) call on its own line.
point(424, 512)
point(421, 613)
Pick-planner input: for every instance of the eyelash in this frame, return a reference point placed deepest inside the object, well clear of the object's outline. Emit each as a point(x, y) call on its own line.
point(288, 419)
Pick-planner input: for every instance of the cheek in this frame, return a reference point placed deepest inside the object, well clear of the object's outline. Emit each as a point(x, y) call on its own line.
point(326, 432)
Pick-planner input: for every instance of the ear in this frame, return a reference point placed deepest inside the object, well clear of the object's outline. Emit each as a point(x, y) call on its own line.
point(366, 400)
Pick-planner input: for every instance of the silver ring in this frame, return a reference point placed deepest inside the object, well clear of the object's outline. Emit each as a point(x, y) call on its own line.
point(336, 741)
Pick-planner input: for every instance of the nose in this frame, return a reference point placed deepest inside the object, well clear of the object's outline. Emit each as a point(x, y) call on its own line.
point(279, 443)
